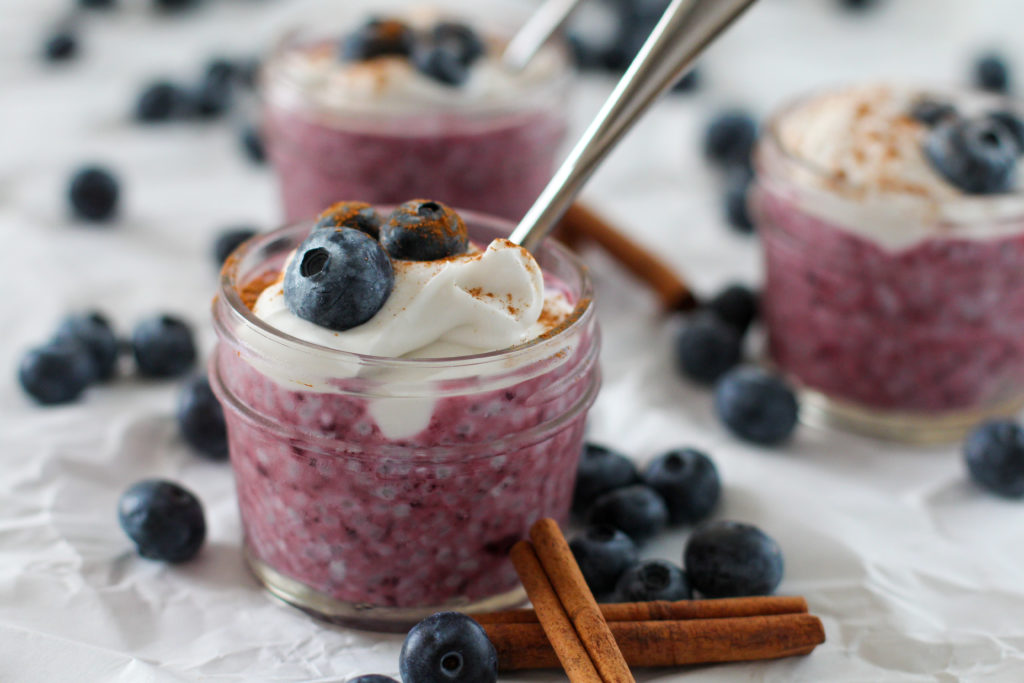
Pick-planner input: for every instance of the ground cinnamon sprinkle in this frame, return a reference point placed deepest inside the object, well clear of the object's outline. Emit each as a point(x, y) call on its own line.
point(251, 290)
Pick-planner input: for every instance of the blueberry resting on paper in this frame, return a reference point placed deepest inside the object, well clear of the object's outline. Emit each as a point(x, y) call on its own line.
point(448, 647)
point(729, 139)
point(735, 201)
point(358, 215)
point(688, 482)
point(637, 510)
point(756, 405)
point(60, 46)
point(707, 348)
point(201, 419)
point(378, 38)
point(652, 580)
point(994, 452)
point(424, 230)
point(56, 373)
point(338, 279)
point(600, 470)
point(729, 559)
point(736, 305)
point(163, 346)
point(164, 520)
point(252, 144)
point(92, 330)
point(161, 101)
point(991, 72)
point(93, 193)
point(977, 155)
point(603, 553)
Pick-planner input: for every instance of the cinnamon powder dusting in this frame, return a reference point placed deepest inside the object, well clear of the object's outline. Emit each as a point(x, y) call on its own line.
point(251, 290)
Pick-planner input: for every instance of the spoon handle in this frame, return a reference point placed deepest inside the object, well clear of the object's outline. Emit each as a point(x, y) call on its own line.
point(684, 31)
point(541, 25)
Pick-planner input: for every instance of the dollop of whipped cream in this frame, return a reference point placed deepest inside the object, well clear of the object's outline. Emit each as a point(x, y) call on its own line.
point(467, 304)
point(864, 149)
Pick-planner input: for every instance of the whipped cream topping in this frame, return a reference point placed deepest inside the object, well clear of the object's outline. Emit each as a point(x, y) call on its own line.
point(863, 149)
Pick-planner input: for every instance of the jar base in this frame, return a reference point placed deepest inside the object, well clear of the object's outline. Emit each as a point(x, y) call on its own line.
point(362, 616)
point(821, 411)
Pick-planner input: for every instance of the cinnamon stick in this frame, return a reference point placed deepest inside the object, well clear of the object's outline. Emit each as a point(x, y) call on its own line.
point(581, 224)
point(670, 611)
point(564, 574)
point(555, 628)
point(672, 643)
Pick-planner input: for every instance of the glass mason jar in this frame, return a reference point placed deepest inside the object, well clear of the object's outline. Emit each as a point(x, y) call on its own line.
point(493, 154)
point(915, 343)
point(376, 491)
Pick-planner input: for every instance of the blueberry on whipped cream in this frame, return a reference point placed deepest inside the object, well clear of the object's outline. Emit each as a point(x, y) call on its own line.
point(358, 215)
point(424, 230)
point(976, 154)
point(339, 278)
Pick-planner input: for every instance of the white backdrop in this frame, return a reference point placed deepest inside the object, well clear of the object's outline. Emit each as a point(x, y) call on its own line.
point(917, 575)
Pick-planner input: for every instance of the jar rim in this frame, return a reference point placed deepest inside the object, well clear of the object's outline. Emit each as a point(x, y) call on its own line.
point(228, 292)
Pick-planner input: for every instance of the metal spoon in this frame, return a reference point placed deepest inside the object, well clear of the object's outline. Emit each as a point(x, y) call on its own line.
point(541, 25)
point(684, 31)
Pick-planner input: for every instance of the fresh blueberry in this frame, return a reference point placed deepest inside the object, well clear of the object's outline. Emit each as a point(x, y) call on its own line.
point(448, 647)
point(735, 305)
point(160, 101)
point(424, 230)
point(931, 112)
point(441, 64)
point(735, 202)
point(93, 193)
point(338, 279)
point(252, 145)
point(378, 38)
point(600, 470)
point(688, 83)
point(60, 46)
point(247, 72)
point(729, 139)
point(858, 5)
point(636, 510)
point(687, 481)
point(92, 331)
point(358, 215)
point(219, 69)
point(652, 580)
point(96, 4)
point(229, 240)
point(992, 73)
point(459, 39)
point(164, 520)
point(995, 457)
point(56, 373)
point(212, 98)
point(174, 5)
point(756, 406)
point(201, 419)
point(636, 21)
point(977, 155)
point(707, 348)
point(729, 559)
point(1013, 124)
point(603, 553)
point(163, 347)
point(373, 678)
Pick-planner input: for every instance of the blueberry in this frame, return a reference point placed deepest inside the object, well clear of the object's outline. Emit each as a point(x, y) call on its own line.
point(1013, 124)
point(174, 5)
point(600, 470)
point(448, 647)
point(736, 305)
point(252, 145)
point(636, 510)
point(247, 72)
point(160, 101)
point(995, 457)
point(992, 73)
point(92, 331)
point(358, 215)
point(424, 230)
point(96, 4)
point(858, 5)
point(735, 200)
point(687, 481)
point(441, 64)
point(229, 240)
point(378, 38)
point(93, 193)
point(201, 419)
point(931, 112)
point(212, 98)
point(459, 39)
point(729, 139)
point(163, 347)
point(60, 46)
point(756, 406)
point(219, 69)
point(338, 278)
point(373, 678)
point(164, 520)
point(652, 580)
point(56, 373)
point(729, 559)
point(603, 553)
point(707, 348)
point(977, 155)
point(689, 82)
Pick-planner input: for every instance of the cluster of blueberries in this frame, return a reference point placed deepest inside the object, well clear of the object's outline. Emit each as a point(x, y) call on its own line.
point(445, 52)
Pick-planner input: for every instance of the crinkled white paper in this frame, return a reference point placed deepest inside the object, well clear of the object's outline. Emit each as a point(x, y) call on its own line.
point(917, 575)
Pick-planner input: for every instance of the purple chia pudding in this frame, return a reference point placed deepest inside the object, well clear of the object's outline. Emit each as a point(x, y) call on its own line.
point(359, 523)
point(893, 297)
point(381, 130)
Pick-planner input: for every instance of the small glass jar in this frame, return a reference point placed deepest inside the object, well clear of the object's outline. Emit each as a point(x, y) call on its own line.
point(917, 343)
point(492, 155)
point(358, 525)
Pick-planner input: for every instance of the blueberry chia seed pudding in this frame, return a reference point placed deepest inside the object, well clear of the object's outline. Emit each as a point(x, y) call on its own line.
point(405, 395)
point(893, 227)
point(412, 106)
